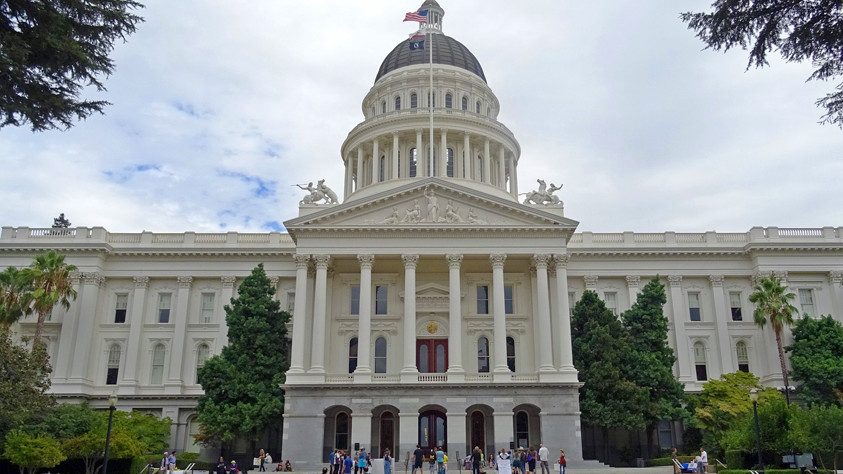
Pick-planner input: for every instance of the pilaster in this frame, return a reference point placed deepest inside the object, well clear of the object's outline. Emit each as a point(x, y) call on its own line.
point(566, 365)
point(501, 371)
point(543, 313)
point(299, 315)
point(683, 355)
point(91, 283)
point(226, 294)
point(364, 370)
point(409, 370)
point(317, 344)
point(721, 314)
point(456, 333)
point(179, 349)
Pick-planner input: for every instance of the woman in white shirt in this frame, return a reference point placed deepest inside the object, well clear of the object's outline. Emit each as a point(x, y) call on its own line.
point(504, 463)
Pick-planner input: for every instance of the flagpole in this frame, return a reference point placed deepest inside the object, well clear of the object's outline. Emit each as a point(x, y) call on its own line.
point(430, 96)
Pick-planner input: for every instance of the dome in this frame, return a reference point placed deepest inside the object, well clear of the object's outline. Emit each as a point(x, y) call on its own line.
point(446, 50)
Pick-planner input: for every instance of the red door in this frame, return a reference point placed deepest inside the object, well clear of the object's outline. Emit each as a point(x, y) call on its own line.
point(432, 356)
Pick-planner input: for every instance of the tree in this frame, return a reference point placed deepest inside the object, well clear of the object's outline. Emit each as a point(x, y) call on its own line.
point(774, 415)
point(800, 30)
point(52, 285)
point(652, 359)
point(772, 305)
point(816, 357)
point(817, 430)
point(609, 398)
point(50, 51)
point(24, 381)
point(32, 452)
point(242, 386)
point(723, 402)
point(15, 294)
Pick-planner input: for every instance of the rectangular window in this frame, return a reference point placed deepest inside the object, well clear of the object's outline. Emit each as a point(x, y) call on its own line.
point(572, 301)
point(164, 301)
point(120, 306)
point(207, 307)
point(735, 305)
point(806, 301)
point(702, 373)
point(111, 376)
point(381, 296)
point(482, 299)
point(611, 300)
point(355, 299)
point(291, 301)
point(694, 306)
point(508, 303)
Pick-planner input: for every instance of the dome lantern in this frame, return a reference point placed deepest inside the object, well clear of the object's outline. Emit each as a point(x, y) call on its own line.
point(435, 14)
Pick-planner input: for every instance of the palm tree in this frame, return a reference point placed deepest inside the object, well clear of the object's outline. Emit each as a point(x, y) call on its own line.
point(772, 304)
point(15, 295)
point(52, 285)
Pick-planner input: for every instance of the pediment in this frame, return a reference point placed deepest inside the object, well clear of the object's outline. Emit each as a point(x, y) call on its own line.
point(431, 203)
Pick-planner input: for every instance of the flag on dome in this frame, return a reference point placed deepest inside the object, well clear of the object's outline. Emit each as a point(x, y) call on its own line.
point(419, 16)
point(416, 41)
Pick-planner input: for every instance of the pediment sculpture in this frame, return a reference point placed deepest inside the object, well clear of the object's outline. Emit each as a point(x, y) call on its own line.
point(319, 194)
point(434, 215)
point(543, 195)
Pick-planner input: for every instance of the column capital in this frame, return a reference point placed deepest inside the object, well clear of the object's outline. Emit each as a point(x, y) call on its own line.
point(716, 281)
point(674, 280)
point(75, 277)
point(141, 282)
point(835, 276)
point(497, 259)
point(322, 261)
point(410, 260)
point(366, 260)
point(590, 281)
point(781, 275)
point(93, 278)
point(185, 282)
point(394, 135)
point(561, 260)
point(228, 281)
point(454, 260)
point(301, 260)
point(274, 281)
point(633, 281)
point(540, 260)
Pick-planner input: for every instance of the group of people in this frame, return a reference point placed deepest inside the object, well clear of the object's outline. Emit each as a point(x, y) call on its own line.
point(263, 461)
point(358, 462)
point(698, 465)
point(524, 461)
point(168, 462)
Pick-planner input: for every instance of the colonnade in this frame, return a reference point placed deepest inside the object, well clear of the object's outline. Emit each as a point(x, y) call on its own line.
point(474, 157)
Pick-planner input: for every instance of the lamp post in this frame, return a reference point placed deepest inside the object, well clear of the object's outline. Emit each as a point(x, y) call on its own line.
point(112, 405)
point(753, 395)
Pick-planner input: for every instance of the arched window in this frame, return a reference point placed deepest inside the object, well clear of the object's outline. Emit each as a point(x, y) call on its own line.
point(352, 355)
point(449, 168)
point(382, 168)
point(477, 107)
point(414, 100)
point(465, 102)
point(383, 106)
point(380, 355)
point(397, 102)
point(157, 375)
point(449, 101)
point(193, 446)
point(414, 162)
point(522, 429)
point(483, 355)
point(699, 361)
point(341, 431)
point(510, 353)
point(742, 356)
point(202, 354)
point(113, 367)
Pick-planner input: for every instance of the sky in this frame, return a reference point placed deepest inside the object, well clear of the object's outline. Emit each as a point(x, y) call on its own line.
point(218, 108)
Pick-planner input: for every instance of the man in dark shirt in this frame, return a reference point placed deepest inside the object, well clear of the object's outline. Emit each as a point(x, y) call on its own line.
point(418, 457)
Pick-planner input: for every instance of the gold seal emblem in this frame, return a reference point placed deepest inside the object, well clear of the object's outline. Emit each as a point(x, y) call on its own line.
point(432, 327)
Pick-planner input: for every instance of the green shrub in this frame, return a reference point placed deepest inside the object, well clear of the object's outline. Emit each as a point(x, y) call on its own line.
point(669, 461)
point(736, 459)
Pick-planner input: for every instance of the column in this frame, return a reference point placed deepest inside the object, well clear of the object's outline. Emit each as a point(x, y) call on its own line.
point(498, 310)
point(502, 167)
point(465, 169)
point(410, 262)
point(364, 335)
point(504, 428)
point(683, 355)
point(420, 166)
point(565, 348)
point(555, 329)
point(514, 177)
point(543, 314)
point(299, 315)
point(180, 348)
point(361, 429)
point(487, 160)
point(395, 148)
point(721, 315)
point(359, 168)
point(443, 155)
point(454, 316)
point(408, 432)
point(225, 296)
point(376, 159)
point(632, 286)
point(91, 283)
point(320, 300)
point(835, 279)
point(138, 306)
point(456, 426)
point(67, 336)
point(347, 188)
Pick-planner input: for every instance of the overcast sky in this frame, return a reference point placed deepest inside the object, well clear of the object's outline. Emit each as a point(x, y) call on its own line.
point(218, 107)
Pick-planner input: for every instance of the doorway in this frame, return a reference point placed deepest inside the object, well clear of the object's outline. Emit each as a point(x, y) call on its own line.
point(433, 431)
point(432, 356)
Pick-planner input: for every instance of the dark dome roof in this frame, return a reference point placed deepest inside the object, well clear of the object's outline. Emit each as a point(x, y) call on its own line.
point(446, 50)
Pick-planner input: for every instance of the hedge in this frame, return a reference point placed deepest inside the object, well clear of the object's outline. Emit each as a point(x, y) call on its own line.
point(669, 461)
point(771, 471)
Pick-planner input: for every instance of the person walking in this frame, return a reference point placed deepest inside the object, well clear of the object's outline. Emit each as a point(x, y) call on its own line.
point(563, 462)
point(418, 457)
point(165, 463)
point(220, 468)
point(172, 460)
point(544, 455)
point(440, 460)
point(387, 462)
point(503, 462)
point(261, 460)
point(531, 460)
point(476, 457)
point(362, 461)
point(703, 461)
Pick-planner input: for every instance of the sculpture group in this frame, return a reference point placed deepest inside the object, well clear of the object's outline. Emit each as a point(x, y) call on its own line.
point(320, 194)
point(543, 195)
point(413, 214)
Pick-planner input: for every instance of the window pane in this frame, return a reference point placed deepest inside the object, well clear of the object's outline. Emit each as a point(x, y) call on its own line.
point(355, 299)
point(157, 375)
point(611, 300)
point(423, 359)
point(507, 300)
point(482, 299)
point(352, 355)
point(572, 301)
point(694, 306)
point(441, 363)
point(806, 299)
point(380, 355)
point(510, 353)
point(381, 294)
point(207, 307)
point(164, 307)
point(111, 376)
point(702, 373)
point(414, 100)
point(482, 355)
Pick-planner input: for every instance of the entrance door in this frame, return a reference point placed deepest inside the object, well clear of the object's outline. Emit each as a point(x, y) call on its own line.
point(432, 356)
point(387, 432)
point(478, 431)
point(433, 431)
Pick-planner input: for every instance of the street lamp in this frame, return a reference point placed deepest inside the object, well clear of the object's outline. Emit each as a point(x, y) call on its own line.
point(112, 405)
point(753, 395)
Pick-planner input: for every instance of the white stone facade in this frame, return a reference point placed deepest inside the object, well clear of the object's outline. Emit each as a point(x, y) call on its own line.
point(430, 300)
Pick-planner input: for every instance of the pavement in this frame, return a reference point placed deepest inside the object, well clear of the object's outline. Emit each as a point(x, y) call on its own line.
point(570, 470)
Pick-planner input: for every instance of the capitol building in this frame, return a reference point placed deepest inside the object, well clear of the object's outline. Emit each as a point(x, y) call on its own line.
point(430, 292)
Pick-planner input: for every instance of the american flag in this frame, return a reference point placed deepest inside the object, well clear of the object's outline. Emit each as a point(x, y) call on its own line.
point(419, 16)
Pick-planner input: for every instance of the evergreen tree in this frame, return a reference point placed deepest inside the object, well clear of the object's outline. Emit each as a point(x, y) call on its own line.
point(651, 358)
point(24, 381)
point(609, 398)
point(816, 357)
point(242, 386)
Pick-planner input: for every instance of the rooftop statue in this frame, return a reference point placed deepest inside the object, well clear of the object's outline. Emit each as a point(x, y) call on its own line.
point(320, 194)
point(543, 195)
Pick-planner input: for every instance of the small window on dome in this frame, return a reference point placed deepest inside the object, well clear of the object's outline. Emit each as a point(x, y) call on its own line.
point(414, 100)
point(397, 102)
point(449, 101)
point(383, 106)
point(449, 170)
point(413, 162)
point(488, 111)
point(465, 102)
point(477, 107)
